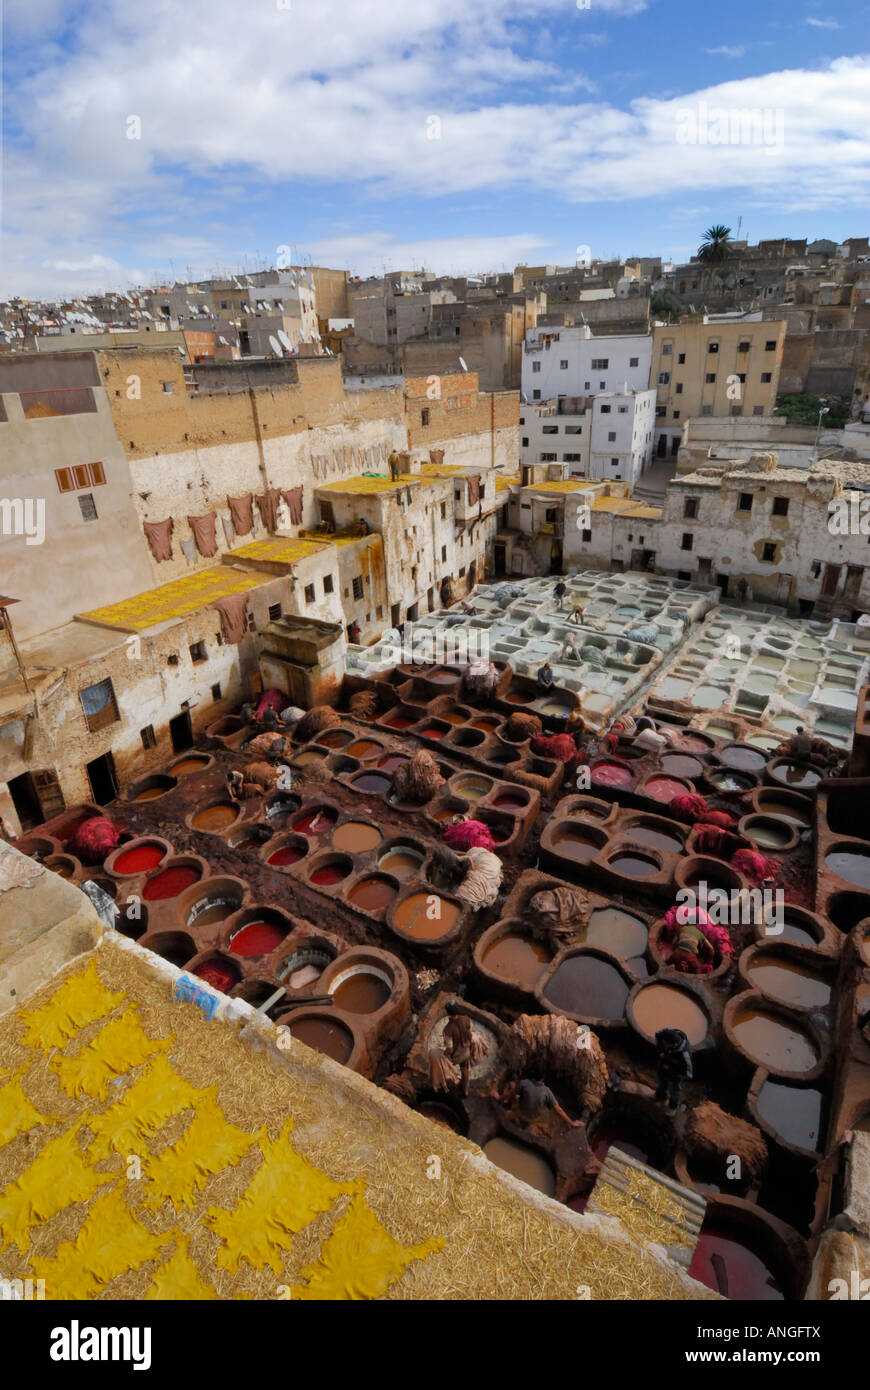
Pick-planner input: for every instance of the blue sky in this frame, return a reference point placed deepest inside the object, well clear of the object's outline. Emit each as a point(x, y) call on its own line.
point(439, 133)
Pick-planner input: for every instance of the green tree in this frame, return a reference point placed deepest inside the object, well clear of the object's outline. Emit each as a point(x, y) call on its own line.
point(664, 305)
point(716, 245)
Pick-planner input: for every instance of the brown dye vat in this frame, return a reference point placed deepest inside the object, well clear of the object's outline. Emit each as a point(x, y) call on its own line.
point(217, 817)
point(445, 813)
point(518, 958)
point(634, 865)
point(523, 1161)
point(773, 1042)
point(853, 865)
point(788, 982)
point(588, 986)
point(785, 810)
point(357, 837)
point(176, 947)
point(511, 801)
point(617, 931)
point(577, 846)
point(363, 747)
point(664, 1006)
point(653, 838)
point(796, 775)
point(323, 1035)
point(335, 738)
point(453, 716)
point(392, 761)
point(794, 1112)
point(441, 676)
point(411, 916)
point(151, 793)
point(400, 721)
point(431, 732)
point(362, 993)
point(188, 766)
point(311, 755)
point(61, 865)
point(402, 862)
point(215, 905)
point(745, 759)
point(488, 725)
point(372, 894)
point(518, 697)
point(375, 782)
point(681, 765)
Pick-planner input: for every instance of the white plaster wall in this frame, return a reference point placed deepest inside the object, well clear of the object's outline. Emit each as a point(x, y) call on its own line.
point(579, 351)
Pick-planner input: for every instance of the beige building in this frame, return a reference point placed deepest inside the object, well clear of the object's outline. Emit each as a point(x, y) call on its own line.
point(703, 368)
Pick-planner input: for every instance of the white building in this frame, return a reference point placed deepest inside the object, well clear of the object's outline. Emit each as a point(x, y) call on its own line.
point(560, 361)
point(550, 435)
point(608, 436)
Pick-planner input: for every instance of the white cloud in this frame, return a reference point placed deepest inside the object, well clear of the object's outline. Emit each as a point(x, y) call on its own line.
point(822, 23)
point(726, 51)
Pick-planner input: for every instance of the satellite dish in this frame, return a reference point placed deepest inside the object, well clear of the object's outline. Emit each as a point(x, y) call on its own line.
point(462, 364)
point(275, 346)
point(284, 340)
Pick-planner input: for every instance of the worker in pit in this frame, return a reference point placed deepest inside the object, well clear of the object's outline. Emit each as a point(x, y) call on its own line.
point(559, 593)
point(530, 1099)
point(458, 1040)
point(544, 677)
point(674, 1061)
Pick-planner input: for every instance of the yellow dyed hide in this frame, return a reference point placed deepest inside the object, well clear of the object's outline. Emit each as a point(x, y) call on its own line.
point(81, 1000)
point(17, 1114)
point(360, 1259)
point(209, 1144)
point(110, 1242)
point(179, 1280)
point(57, 1177)
point(154, 1098)
point(117, 1049)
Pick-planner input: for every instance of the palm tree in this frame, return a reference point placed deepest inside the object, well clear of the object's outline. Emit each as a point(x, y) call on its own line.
point(716, 245)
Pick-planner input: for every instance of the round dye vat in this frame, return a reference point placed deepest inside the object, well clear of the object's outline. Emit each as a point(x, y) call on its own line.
point(334, 738)
point(426, 916)
point(441, 1114)
point(329, 874)
point(633, 865)
point(318, 821)
point(743, 758)
point(357, 837)
point(453, 716)
point(523, 1161)
point(488, 726)
point(508, 801)
point(400, 721)
point(391, 762)
point(362, 747)
point(472, 788)
point(575, 845)
point(323, 1035)
point(682, 765)
point(794, 1112)
point(665, 1006)
point(311, 755)
point(617, 931)
point(516, 697)
point(376, 782)
point(556, 707)
point(793, 929)
point(612, 775)
point(727, 781)
point(784, 810)
point(795, 775)
point(745, 1273)
point(789, 982)
point(774, 1042)
point(653, 837)
point(709, 697)
point(767, 831)
point(218, 975)
point(693, 743)
point(363, 992)
point(431, 732)
point(170, 883)
point(139, 860)
point(372, 894)
point(402, 862)
point(188, 766)
point(608, 1136)
point(440, 676)
point(518, 958)
point(210, 910)
point(217, 817)
point(151, 793)
point(663, 789)
point(851, 865)
point(286, 855)
point(588, 986)
point(256, 939)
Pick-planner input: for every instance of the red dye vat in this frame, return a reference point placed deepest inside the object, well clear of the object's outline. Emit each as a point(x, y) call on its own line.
point(399, 721)
point(328, 874)
point(747, 1275)
point(392, 761)
point(664, 789)
point(287, 854)
point(315, 822)
point(510, 803)
point(434, 733)
point(611, 775)
point(256, 939)
point(140, 860)
point(170, 883)
point(218, 976)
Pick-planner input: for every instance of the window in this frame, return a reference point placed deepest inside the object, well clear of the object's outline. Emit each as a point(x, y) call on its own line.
point(676, 415)
point(83, 475)
point(611, 437)
point(536, 395)
point(586, 385)
point(563, 365)
point(768, 552)
point(667, 349)
point(444, 554)
point(710, 377)
point(664, 378)
point(614, 463)
point(309, 593)
point(780, 506)
point(681, 359)
point(424, 417)
point(327, 584)
point(548, 458)
point(605, 410)
point(765, 376)
point(275, 612)
point(679, 388)
point(148, 736)
point(633, 361)
point(550, 429)
point(770, 346)
point(99, 705)
point(88, 507)
point(706, 410)
point(602, 385)
point(551, 515)
point(600, 364)
point(358, 587)
point(252, 622)
point(741, 377)
point(712, 347)
point(525, 441)
point(690, 507)
point(687, 541)
point(660, 410)
point(743, 347)
point(198, 652)
point(573, 429)
point(586, 536)
point(570, 458)
point(380, 613)
point(443, 511)
point(536, 366)
point(169, 388)
point(744, 502)
point(735, 410)
point(816, 569)
point(216, 693)
point(758, 410)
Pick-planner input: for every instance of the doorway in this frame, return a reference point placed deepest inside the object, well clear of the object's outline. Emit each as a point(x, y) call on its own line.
point(662, 446)
point(103, 779)
point(830, 580)
point(556, 557)
point(26, 801)
point(181, 732)
point(499, 559)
